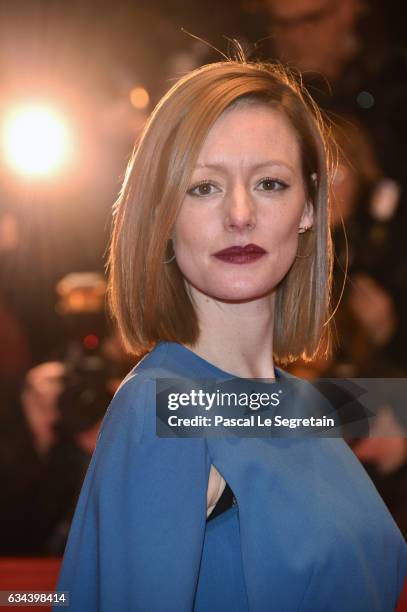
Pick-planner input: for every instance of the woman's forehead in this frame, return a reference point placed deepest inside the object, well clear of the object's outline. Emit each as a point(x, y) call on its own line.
point(250, 134)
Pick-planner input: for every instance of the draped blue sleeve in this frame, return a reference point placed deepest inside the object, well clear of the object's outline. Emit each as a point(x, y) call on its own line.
point(137, 535)
point(309, 531)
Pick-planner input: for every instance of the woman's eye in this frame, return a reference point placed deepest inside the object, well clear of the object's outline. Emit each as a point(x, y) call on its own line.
point(269, 184)
point(202, 189)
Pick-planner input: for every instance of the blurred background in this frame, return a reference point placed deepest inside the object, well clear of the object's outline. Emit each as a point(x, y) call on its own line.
point(78, 80)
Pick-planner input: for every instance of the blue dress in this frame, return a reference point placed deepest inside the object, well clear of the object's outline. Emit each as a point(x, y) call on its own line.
point(309, 531)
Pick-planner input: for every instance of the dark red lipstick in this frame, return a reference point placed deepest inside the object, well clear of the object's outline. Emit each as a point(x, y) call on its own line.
point(241, 255)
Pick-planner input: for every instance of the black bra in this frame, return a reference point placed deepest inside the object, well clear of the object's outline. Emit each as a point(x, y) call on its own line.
point(225, 501)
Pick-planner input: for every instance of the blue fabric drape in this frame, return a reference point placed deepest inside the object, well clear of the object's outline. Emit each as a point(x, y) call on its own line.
point(309, 532)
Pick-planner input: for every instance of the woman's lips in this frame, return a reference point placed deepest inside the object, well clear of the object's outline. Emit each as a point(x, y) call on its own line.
point(241, 255)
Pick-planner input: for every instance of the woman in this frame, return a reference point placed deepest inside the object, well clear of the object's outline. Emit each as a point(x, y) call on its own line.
point(220, 265)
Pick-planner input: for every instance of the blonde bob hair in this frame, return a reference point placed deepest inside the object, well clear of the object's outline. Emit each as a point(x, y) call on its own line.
point(147, 297)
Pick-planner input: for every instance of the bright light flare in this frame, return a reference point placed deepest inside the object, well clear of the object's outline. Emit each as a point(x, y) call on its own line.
point(36, 140)
point(139, 98)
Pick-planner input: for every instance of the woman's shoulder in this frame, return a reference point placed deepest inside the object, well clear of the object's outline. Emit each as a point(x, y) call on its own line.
point(135, 396)
point(160, 362)
point(143, 374)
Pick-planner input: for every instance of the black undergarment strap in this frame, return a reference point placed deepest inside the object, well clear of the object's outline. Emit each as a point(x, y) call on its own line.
point(224, 503)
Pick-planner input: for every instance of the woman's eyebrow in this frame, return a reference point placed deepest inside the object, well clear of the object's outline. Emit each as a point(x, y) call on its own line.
point(262, 164)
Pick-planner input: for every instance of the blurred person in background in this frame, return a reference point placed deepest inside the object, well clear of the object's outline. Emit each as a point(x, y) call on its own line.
point(314, 35)
point(49, 422)
point(369, 321)
point(349, 64)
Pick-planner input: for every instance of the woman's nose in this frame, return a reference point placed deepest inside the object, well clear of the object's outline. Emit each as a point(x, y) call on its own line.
point(240, 212)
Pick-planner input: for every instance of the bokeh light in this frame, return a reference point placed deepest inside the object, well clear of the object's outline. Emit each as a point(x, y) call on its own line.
point(36, 140)
point(139, 97)
point(91, 342)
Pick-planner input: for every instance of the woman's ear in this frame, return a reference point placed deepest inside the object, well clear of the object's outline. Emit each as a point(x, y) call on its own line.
point(307, 217)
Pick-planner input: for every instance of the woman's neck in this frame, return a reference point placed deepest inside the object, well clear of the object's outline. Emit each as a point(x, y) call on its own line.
point(237, 338)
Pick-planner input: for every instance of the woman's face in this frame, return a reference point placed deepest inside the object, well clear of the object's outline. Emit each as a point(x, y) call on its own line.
point(246, 189)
